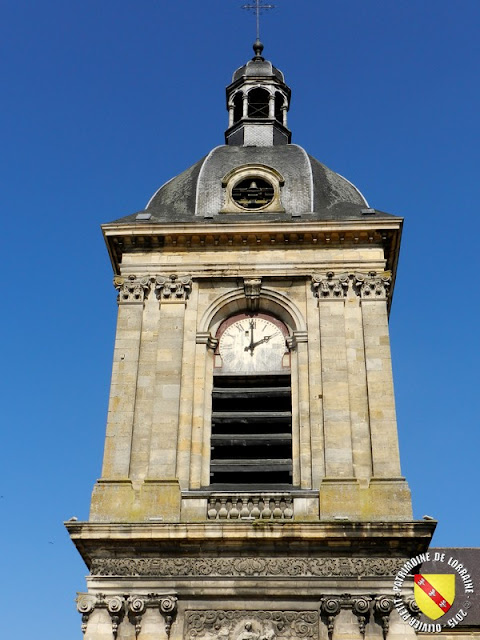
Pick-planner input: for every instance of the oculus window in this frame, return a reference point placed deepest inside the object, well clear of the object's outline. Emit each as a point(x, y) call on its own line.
point(252, 188)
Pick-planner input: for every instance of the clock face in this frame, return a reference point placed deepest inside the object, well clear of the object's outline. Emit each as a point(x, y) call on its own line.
point(252, 345)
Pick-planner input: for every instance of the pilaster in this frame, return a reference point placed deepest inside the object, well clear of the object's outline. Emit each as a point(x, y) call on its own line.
point(187, 390)
point(305, 456)
point(362, 478)
point(201, 427)
point(139, 478)
point(132, 291)
point(358, 392)
point(172, 293)
point(373, 290)
point(331, 292)
point(317, 445)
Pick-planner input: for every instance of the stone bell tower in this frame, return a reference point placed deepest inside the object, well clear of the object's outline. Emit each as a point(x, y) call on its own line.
point(251, 485)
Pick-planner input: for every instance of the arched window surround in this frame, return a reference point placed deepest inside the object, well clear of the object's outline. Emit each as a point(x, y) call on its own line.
point(272, 302)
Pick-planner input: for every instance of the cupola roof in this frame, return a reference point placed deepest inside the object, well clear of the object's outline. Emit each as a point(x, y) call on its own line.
point(309, 190)
point(258, 67)
point(258, 175)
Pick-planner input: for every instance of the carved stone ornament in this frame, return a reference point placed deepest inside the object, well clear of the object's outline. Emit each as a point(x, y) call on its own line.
point(372, 285)
point(252, 288)
point(116, 609)
point(278, 507)
point(85, 605)
point(330, 608)
point(168, 608)
point(361, 608)
point(251, 625)
point(330, 286)
point(173, 287)
point(134, 606)
point(136, 609)
point(412, 606)
point(383, 607)
point(131, 289)
point(246, 566)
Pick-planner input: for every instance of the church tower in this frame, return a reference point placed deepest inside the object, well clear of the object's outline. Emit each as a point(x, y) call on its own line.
point(251, 485)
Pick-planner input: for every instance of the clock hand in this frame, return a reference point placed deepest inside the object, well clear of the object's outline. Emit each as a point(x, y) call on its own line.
point(264, 339)
point(251, 346)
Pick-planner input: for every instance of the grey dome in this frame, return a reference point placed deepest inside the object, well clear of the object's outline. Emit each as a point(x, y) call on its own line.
point(258, 67)
point(310, 191)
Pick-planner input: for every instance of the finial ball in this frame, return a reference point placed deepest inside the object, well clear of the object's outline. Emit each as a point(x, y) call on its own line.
point(258, 48)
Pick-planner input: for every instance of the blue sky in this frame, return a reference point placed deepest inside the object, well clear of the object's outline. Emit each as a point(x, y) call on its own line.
point(103, 102)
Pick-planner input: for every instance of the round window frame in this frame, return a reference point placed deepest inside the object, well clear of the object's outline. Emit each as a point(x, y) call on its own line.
point(252, 172)
point(255, 179)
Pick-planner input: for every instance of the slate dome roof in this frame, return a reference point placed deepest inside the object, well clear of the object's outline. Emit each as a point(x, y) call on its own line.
point(306, 189)
point(258, 67)
point(311, 191)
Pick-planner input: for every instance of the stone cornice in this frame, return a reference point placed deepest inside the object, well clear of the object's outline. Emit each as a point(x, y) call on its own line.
point(129, 238)
point(318, 226)
point(321, 538)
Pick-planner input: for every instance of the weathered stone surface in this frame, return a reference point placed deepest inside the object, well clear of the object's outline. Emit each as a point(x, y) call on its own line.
point(307, 563)
point(247, 566)
point(379, 500)
point(120, 501)
point(251, 625)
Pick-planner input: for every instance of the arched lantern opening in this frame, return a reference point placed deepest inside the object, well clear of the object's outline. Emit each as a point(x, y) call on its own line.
point(258, 101)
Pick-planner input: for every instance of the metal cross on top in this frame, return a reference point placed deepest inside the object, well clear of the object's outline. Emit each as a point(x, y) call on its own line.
point(258, 7)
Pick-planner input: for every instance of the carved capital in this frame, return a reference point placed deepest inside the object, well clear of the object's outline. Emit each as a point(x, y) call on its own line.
point(131, 290)
point(173, 287)
point(372, 286)
point(133, 607)
point(361, 608)
point(383, 607)
point(85, 605)
point(412, 605)
point(116, 609)
point(252, 288)
point(168, 609)
point(330, 286)
point(330, 608)
point(136, 609)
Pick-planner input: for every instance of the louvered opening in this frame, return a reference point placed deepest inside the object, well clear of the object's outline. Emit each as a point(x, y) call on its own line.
point(251, 431)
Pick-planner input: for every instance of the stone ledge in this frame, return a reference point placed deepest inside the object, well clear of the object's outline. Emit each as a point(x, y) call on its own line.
point(256, 538)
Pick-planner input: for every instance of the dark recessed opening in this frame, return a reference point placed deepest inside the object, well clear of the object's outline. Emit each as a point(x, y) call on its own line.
point(253, 193)
point(251, 430)
point(278, 107)
point(237, 107)
point(258, 100)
